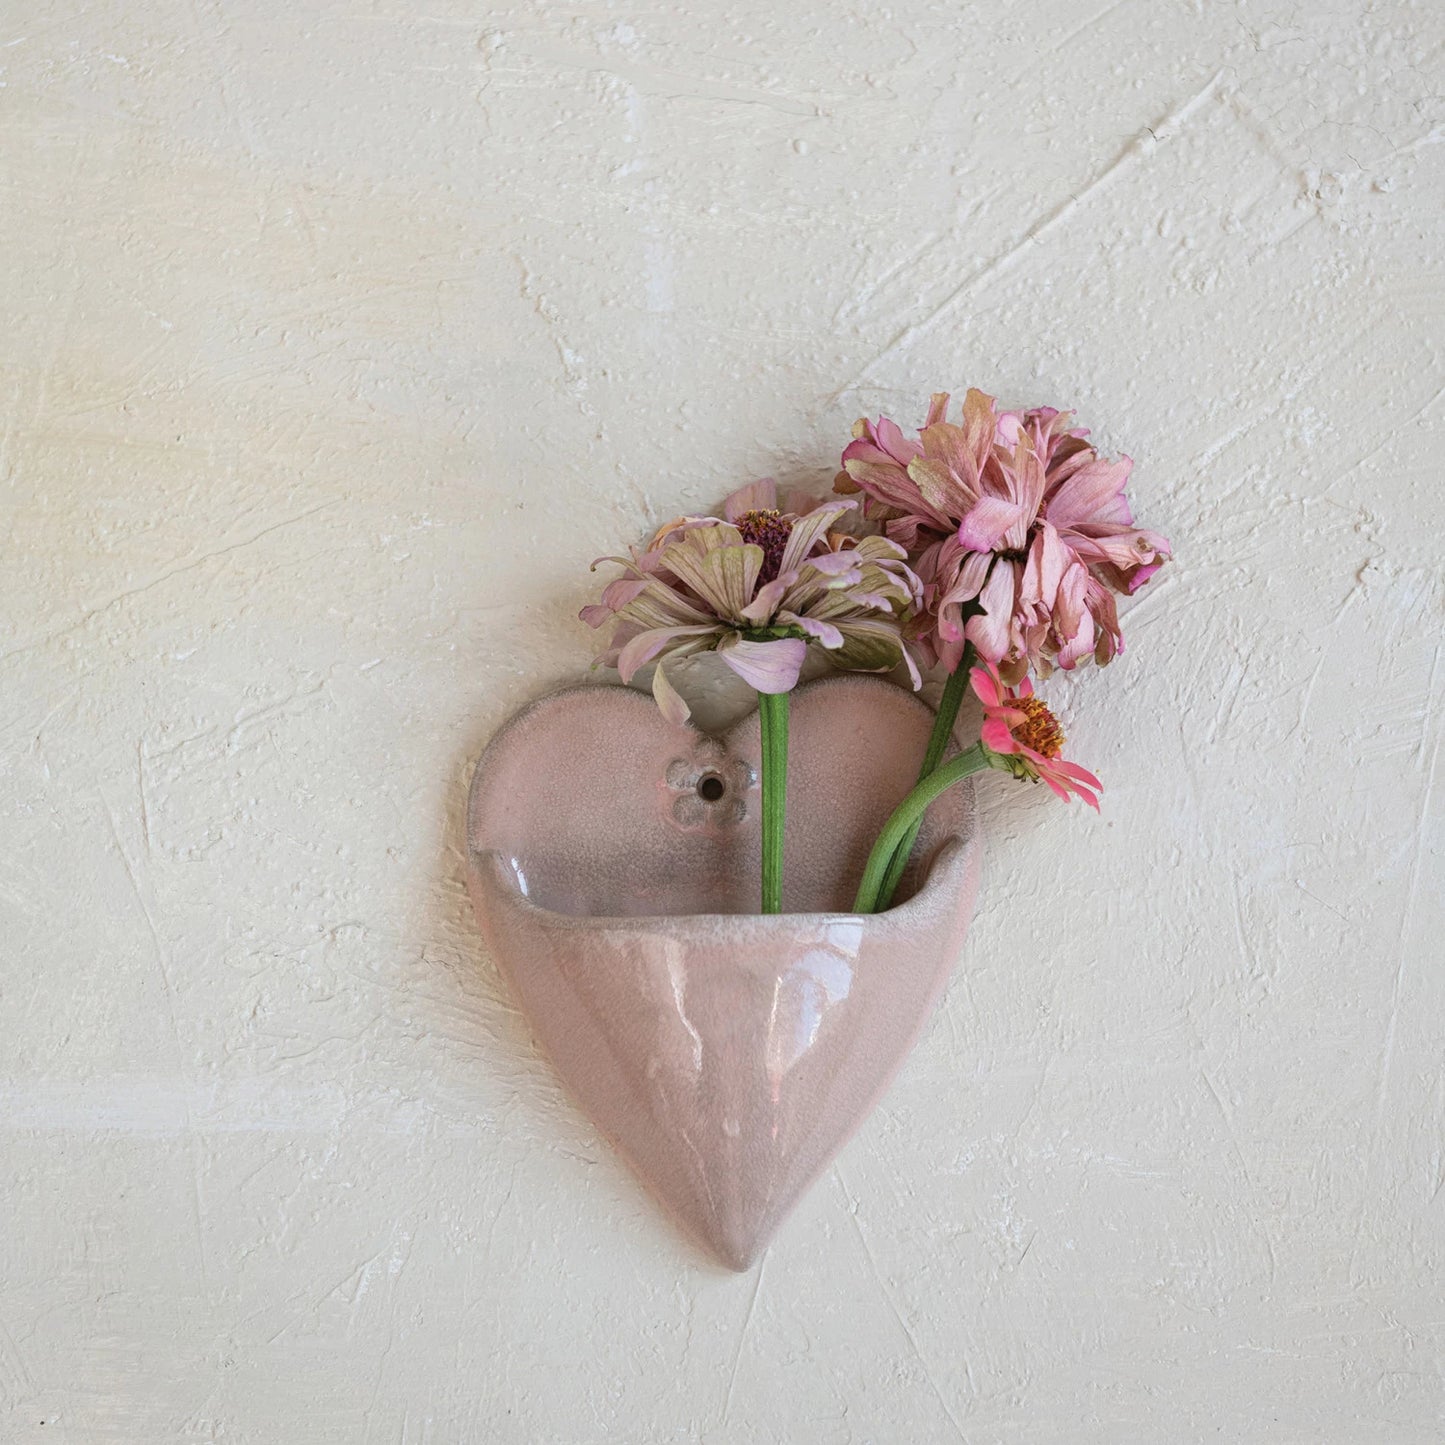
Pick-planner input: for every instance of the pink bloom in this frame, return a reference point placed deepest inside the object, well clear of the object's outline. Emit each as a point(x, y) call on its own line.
point(1024, 738)
point(1019, 530)
point(758, 586)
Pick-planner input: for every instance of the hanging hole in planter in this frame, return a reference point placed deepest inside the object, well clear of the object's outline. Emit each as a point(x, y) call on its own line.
point(710, 787)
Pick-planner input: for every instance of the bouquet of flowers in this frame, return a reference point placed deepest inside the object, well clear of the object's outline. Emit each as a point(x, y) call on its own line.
point(991, 548)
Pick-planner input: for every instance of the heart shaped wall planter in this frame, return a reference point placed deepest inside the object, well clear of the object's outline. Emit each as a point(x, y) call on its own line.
point(614, 862)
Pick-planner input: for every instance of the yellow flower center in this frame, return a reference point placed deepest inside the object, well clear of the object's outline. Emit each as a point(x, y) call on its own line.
point(1040, 729)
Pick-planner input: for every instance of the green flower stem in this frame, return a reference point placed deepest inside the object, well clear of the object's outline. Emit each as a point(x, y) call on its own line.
point(948, 705)
point(908, 815)
point(773, 715)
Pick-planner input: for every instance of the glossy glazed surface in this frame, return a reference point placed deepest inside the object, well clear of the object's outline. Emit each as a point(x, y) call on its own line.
point(614, 867)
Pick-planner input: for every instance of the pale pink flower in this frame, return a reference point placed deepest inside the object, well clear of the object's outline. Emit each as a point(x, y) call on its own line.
point(1024, 738)
point(758, 585)
point(1020, 532)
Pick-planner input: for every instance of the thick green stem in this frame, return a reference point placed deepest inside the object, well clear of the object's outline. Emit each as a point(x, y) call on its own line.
point(948, 705)
point(908, 815)
point(773, 715)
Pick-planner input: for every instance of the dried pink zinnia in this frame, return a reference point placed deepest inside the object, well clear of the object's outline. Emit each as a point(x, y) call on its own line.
point(757, 585)
point(1019, 529)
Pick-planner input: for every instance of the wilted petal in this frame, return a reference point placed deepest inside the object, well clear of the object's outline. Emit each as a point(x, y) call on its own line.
point(661, 605)
point(1073, 649)
point(770, 667)
point(647, 645)
point(1100, 602)
point(825, 632)
point(979, 419)
point(836, 564)
point(769, 598)
point(985, 523)
point(890, 438)
point(961, 459)
point(869, 645)
point(875, 601)
point(864, 449)
point(939, 488)
point(719, 566)
point(1140, 576)
point(877, 549)
point(1068, 605)
point(798, 502)
point(758, 496)
point(669, 701)
point(1025, 479)
point(622, 634)
point(808, 531)
point(1049, 559)
point(1006, 429)
point(1126, 551)
point(989, 630)
point(1093, 494)
point(969, 579)
point(886, 482)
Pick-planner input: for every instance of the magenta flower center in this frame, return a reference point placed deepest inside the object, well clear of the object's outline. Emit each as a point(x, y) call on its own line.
point(768, 529)
point(1040, 729)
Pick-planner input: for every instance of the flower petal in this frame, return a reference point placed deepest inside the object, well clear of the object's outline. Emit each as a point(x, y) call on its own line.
point(758, 496)
point(1094, 493)
point(911, 662)
point(1049, 558)
point(985, 684)
point(770, 597)
point(659, 604)
point(1079, 775)
point(869, 645)
point(890, 438)
point(938, 486)
point(996, 737)
point(989, 629)
point(807, 531)
point(660, 641)
point(825, 632)
point(1055, 787)
point(719, 566)
point(986, 522)
point(669, 700)
point(770, 667)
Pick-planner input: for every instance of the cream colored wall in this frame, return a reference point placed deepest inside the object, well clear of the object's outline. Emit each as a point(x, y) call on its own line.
point(337, 340)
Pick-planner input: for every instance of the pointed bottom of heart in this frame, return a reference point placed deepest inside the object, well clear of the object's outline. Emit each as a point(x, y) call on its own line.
point(728, 1055)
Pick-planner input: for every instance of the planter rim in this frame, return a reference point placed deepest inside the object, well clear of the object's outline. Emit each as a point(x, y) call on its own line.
point(947, 870)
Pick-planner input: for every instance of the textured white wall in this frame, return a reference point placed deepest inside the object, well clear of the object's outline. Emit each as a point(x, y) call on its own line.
point(337, 340)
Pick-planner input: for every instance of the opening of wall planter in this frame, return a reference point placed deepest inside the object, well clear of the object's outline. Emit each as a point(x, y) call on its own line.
point(728, 945)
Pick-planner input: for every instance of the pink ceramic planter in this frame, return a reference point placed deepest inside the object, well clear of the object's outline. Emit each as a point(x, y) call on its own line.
point(614, 871)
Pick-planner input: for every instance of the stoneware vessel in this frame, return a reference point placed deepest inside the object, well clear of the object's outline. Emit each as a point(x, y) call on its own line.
point(614, 863)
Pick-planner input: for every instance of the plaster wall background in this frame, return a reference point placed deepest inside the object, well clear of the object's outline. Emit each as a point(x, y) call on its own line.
point(338, 339)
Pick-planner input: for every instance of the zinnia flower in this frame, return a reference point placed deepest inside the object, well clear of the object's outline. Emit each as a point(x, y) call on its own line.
point(1019, 530)
point(1024, 738)
point(757, 585)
